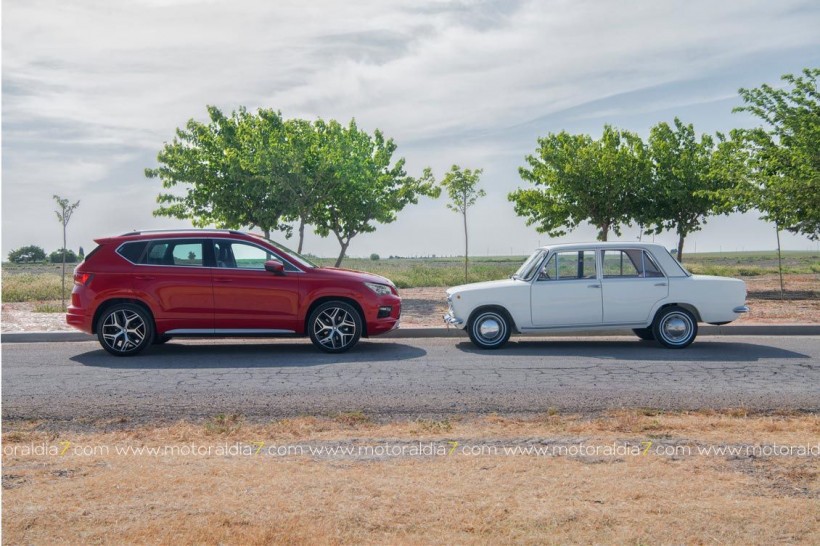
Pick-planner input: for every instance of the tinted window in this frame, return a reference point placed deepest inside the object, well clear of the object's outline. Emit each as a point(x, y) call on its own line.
point(131, 251)
point(186, 253)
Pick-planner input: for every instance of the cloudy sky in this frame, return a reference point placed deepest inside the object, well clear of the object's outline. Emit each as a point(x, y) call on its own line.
point(92, 89)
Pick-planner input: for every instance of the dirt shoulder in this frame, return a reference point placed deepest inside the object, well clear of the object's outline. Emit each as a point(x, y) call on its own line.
point(625, 477)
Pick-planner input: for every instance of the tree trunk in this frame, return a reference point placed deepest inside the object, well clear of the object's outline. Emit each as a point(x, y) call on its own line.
point(681, 237)
point(267, 233)
point(301, 233)
point(62, 293)
point(779, 259)
point(602, 235)
point(342, 253)
point(466, 247)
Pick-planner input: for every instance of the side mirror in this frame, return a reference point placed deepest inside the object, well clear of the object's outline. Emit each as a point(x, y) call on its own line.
point(275, 266)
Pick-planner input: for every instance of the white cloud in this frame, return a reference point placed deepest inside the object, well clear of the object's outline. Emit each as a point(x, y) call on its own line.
point(93, 88)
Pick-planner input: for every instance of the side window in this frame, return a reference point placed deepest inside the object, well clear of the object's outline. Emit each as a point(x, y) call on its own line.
point(156, 254)
point(631, 263)
point(651, 269)
point(237, 255)
point(569, 265)
point(244, 256)
point(132, 251)
point(187, 254)
point(617, 263)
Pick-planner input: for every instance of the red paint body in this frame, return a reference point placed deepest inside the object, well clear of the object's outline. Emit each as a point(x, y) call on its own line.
point(209, 297)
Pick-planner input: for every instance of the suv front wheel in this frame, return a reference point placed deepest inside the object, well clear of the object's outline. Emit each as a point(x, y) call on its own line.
point(335, 326)
point(125, 329)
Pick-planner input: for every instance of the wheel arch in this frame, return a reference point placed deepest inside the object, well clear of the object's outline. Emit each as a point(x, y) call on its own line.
point(116, 301)
point(324, 299)
point(493, 307)
point(687, 306)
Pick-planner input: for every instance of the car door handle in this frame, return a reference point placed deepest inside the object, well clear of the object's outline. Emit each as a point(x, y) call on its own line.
point(660, 284)
point(593, 286)
point(223, 280)
point(144, 277)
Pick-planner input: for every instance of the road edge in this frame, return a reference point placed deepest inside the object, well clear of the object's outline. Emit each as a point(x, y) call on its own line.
point(409, 333)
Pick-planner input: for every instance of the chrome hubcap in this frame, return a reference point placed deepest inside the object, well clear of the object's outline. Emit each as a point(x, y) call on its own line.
point(334, 328)
point(123, 330)
point(676, 327)
point(489, 328)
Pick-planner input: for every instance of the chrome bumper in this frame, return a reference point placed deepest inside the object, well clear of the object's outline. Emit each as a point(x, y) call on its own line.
point(741, 309)
point(450, 319)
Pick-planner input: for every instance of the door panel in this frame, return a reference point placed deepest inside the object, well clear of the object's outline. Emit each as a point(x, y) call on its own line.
point(632, 285)
point(567, 291)
point(248, 297)
point(172, 275)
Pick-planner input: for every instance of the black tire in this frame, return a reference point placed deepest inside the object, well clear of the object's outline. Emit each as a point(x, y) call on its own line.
point(489, 329)
point(675, 327)
point(644, 333)
point(125, 329)
point(161, 340)
point(335, 326)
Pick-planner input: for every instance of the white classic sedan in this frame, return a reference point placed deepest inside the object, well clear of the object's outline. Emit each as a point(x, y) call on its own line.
point(597, 286)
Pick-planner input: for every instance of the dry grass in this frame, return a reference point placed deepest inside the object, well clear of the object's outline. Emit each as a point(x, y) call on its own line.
point(262, 499)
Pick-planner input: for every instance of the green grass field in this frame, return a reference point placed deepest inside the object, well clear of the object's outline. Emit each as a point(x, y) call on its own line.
point(41, 282)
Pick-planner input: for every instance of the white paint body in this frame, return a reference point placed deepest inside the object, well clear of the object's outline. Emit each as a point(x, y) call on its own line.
point(601, 302)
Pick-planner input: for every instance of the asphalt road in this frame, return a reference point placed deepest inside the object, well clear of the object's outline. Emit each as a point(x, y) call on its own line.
point(189, 379)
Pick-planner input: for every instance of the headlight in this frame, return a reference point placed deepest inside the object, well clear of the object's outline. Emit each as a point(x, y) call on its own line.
point(380, 289)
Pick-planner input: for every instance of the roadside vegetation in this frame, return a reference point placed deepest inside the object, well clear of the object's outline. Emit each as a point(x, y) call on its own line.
point(41, 282)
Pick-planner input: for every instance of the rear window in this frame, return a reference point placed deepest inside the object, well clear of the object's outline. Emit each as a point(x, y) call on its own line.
point(132, 251)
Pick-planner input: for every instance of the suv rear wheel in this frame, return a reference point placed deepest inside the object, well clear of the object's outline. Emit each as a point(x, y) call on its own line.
point(125, 329)
point(335, 326)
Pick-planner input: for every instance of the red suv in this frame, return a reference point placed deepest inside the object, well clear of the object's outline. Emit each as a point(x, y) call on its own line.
point(144, 288)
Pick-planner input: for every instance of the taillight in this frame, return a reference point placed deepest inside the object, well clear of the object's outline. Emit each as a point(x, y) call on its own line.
point(83, 279)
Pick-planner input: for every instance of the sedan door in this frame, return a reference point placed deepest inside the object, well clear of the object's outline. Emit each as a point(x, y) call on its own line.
point(249, 298)
point(632, 285)
point(567, 291)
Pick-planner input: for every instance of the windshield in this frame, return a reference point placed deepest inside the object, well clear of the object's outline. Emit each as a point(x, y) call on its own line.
point(298, 258)
point(527, 270)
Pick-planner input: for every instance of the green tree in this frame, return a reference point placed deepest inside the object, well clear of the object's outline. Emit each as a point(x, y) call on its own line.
point(367, 186)
point(81, 254)
point(784, 154)
point(228, 177)
point(686, 173)
point(461, 188)
point(65, 211)
point(580, 179)
point(27, 254)
point(56, 257)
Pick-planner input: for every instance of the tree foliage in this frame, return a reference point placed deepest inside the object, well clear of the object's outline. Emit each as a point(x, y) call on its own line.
point(56, 257)
point(366, 187)
point(580, 179)
point(260, 170)
point(27, 254)
point(784, 154)
point(224, 167)
point(462, 189)
point(686, 174)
